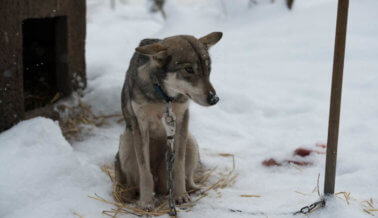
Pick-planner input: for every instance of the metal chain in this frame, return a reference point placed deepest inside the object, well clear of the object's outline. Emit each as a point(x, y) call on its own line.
point(170, 158)
point(311, 207)
point(304, 210)
point(169, 122)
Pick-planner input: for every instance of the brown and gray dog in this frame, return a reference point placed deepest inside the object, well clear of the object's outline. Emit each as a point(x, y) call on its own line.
point(180, 66)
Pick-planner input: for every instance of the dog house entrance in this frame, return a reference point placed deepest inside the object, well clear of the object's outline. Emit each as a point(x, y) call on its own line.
point(45, 71)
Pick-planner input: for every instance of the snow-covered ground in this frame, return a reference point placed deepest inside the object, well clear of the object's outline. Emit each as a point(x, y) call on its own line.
point(272, 71)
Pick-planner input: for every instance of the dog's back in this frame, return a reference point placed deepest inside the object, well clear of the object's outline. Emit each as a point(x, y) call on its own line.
point(137, 60)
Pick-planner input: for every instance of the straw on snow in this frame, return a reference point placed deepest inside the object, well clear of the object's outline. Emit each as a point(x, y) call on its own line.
point(75, 119)
point(223, 181)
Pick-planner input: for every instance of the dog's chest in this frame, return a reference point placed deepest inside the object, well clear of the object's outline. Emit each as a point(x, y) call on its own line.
point(151, 115)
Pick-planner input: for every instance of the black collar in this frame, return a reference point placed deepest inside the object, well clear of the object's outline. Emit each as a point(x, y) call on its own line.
point(160, 91)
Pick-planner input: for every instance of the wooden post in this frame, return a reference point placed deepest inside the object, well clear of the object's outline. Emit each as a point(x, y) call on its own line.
point(334, 114)
point(289, 4)
point(113, 4)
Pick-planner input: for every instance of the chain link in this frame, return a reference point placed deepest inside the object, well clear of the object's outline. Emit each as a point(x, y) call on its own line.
point(170, 159)
point(311, 207)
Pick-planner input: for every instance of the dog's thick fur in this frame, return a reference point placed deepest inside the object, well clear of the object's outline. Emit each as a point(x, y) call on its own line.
point(181, 64)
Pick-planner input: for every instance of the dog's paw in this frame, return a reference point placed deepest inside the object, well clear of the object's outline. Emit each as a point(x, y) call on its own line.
point(182, 199)
point(192, 188)
point(146, 205)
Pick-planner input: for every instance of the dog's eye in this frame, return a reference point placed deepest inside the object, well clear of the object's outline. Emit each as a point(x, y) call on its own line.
point(189, 69)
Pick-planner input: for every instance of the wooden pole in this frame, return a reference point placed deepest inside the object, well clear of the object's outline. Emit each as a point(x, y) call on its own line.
point(113, 4)
point(334, 114)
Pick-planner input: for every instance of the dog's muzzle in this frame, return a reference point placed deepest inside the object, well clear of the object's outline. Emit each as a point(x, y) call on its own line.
point(212, 98)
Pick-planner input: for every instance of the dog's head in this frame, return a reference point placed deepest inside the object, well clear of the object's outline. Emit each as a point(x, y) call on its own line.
point(186, 65)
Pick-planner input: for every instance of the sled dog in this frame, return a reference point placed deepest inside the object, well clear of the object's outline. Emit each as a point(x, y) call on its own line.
point(175, 69)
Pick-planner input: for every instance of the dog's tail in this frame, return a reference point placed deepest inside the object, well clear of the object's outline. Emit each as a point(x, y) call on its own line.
point(119, 179)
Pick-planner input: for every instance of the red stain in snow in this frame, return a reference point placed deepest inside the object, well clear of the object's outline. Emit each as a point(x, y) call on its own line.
point(302, 152)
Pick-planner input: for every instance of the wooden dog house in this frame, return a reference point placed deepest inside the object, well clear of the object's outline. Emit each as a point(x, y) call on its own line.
point(42, 54)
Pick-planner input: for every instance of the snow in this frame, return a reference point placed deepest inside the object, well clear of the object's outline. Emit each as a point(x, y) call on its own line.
point(272, 71)
point(43, 176)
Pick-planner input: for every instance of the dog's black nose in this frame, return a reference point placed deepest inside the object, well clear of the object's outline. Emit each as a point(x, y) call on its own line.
point(212, 98)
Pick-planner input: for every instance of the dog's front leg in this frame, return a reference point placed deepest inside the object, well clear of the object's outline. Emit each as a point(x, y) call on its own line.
point(141, 146)
point(179, 190)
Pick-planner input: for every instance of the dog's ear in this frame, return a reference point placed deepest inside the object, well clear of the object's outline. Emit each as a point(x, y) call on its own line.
point(156, 51)
point(211, 39)
point(151, 49)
